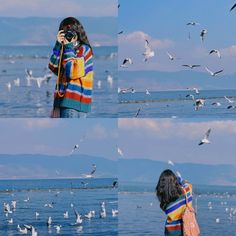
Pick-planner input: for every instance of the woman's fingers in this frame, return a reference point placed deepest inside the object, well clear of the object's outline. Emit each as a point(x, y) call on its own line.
point(61, 36)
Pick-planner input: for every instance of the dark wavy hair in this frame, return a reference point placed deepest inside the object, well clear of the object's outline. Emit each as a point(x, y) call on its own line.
point(168, 188)
point(74, 24)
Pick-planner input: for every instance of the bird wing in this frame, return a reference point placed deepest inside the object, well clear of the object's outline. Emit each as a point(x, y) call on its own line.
point(195, 65)
point(94, 169)
point(169, 55)
point(147, 47)
point(218, 72)
point(209, 71)
point(233, 7)
point(187, 66)
point(207, 133)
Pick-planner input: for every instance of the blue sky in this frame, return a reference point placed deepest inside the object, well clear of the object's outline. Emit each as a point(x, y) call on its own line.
point(58, 137)
point(58, 8)
point(163, 23)
point(177, 140)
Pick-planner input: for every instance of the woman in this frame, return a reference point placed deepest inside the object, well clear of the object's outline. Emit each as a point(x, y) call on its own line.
point(72, 62)
point(171, 191)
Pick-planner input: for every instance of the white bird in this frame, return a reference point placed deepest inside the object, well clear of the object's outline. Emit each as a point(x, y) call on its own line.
point(147, 92)
point(103, 213)
point(191, 66)
point(13, 203)
point(120, 152)
point(78, 218)
point(39, 80)
point(215, 51)
point(190, 95)
point(149, 53)
point(22, 230)
point(7, 208)
point(89, 215)
point(27, 199)
point(213, 73)
point(202, 34)
point(114, 212)
point(218, 104)
point(36, 214)
point(126, 62)
point(199, 103)
point(49, 221)
point(91, 174)
point(48, 205)
point(17, 82)
point(228, 100)
point(170, 56)
point(196, 90)
point(8, 86)
point(75, 148)
point(99, 84)
point(110, 80)
point(192, 23)
point(58, 228)
point(170, 163)
point(66, 215)
point(205, 139)
point(10, 221)
point(217, 220)
point(33, 231)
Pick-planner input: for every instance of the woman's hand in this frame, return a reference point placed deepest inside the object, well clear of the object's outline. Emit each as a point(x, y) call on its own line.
point(61, 36)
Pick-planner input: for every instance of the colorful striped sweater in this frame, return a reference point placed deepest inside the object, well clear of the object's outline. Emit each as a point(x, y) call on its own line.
point(77, 76)
point(174, 212)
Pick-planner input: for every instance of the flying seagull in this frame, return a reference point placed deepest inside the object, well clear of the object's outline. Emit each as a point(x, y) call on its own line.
point(205, 140)
point(120, 152)
point(213, 73)
point(126, 62)
point(199, 103)
point(202, 34)
point(218, 104)
point(215, 51)
point(170, 56)
point(75, 147)
point(228, 100)
point(233, 7)
point(137, 113)
point(170, 163)
point(190, 95)
point(191, 66)
point(192, 23)
point(231, 107)
point(148, 51)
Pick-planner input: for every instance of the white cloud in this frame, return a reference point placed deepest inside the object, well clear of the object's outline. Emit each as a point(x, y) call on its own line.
point(97, 132)
point(32, 124)
point(230, 51)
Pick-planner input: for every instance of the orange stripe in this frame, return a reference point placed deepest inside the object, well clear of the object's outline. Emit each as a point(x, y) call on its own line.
point(174, 227)
point(78, 97)
point(88, 55)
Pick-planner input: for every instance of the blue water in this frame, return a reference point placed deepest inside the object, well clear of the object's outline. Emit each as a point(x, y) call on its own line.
point(62, 193)
point(167, 104)
point(140, 214)
point(31, 101)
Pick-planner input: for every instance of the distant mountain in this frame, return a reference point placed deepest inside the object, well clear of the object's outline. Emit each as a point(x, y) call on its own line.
point(42, 31)
point(140, 170)
point(158, 80)
point(43, 166)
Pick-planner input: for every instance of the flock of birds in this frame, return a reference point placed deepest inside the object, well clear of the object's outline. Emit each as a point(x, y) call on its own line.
point(149, 53)
point(9, 209)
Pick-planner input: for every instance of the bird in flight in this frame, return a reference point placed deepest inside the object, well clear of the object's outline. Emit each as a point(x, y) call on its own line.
point(205, 140)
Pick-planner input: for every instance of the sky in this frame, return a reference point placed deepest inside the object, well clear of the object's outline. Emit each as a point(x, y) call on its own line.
point(177, 140)
point(59, 136)
point(163, 23)
point(58, 8)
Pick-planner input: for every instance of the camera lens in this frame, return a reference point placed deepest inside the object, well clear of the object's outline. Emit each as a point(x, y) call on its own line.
point(69, 35)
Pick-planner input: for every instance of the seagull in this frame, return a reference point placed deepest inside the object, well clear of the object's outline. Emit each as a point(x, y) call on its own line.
point(33, 231)
point(231, 107)
point(91, 174)
point(78, 218)
point(114, 184)
point(199, 103)
point(170, 163)
point(217, 220)
point(147, 92)
point(121, 32)
point(205, 140)
point(84, 184)
point(120, 152)
point(233, 7)
point(110, 80)
point(114, 212)
point(17, 82)
point(36, 214)
point(202, 34)
point(75, 147)
point(13, 203)
point(170, 56)
point(49, 221)
point(126, 62)
point(196, 90)
point(27, 199)
point(58, 228)
point(148, 51)
point(99, 84)
point(7, 208)
point(8, 86)
point(228, 100)
point(39, 80)
point(192, 23)
point(10, 221)
point(213, 73)
point(89, 215)
point(103, 213)
point(93, 170)
point(137, 113)
point(66, 215)
point(218, 104)
point(22, 230)
point(191, 66)
point(215, 51)
point(191, 96)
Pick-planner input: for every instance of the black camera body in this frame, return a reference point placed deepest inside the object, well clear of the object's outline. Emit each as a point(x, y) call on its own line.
point(70, 34)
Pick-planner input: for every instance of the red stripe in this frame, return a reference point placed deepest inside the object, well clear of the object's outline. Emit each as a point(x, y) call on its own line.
point(80, 52)
point(89, 54)
point(174, 227)
point(78, 97)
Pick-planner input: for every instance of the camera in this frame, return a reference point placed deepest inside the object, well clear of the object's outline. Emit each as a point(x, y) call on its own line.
point(70, 34)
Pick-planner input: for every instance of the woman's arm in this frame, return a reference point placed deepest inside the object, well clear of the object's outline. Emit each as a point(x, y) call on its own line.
point(55, 58)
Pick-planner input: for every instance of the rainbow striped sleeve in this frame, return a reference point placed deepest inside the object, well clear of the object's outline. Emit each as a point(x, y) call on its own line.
point(55, 57)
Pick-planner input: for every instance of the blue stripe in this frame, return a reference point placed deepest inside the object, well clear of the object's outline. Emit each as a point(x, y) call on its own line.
point(181, 203)
point(56, 53)
point(73, 87)
point(88, 69)
point(174, 222)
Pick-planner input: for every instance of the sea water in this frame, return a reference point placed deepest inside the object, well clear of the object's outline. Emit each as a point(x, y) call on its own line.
point(61, 193)
point(31, 101)
point(140, 214)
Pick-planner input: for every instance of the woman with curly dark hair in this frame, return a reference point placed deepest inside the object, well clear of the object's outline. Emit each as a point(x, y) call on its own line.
point(72, 62)
point(171, 191)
